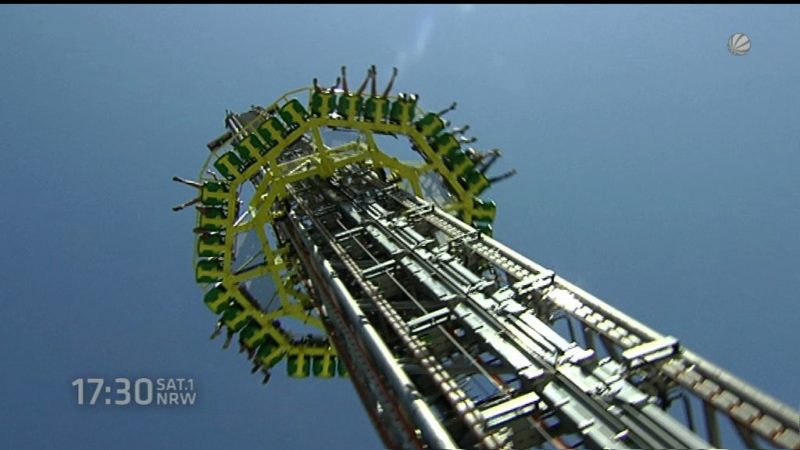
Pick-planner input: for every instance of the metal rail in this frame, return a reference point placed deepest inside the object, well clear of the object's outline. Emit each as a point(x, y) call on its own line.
point(460, 328)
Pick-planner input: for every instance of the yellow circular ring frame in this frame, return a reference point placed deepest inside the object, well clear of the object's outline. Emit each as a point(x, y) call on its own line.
point(256, 158)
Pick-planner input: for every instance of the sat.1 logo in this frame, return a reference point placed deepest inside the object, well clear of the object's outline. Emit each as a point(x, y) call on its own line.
point(739, 44)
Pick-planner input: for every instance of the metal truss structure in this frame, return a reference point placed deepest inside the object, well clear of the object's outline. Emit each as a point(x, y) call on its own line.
point(451, 339)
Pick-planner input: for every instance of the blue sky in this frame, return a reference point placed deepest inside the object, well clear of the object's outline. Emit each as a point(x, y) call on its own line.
point(657, 171)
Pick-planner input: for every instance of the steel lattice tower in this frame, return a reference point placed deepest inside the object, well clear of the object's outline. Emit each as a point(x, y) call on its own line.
point(451, 339)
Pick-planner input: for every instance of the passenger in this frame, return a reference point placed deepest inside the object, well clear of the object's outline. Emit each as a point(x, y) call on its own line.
point(196, 185)
point(350, 105)
point(448, 109)
point(370, 76)
point(323, 100)
point(478, 157)
point(487, 160)
point(217, 329)
point(213, 175)
point(502, 177)
point(460, 131)
point(344, 81)
point(187, 204)
point(192, 183)
point(319, 89)
point(391, 83)
point(228, 339)
point(377, 106)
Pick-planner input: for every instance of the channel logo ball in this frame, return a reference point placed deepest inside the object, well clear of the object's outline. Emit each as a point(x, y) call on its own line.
point(739, 44)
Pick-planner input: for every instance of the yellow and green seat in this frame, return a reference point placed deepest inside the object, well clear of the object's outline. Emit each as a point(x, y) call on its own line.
point(208, 270)
point(474, 182)
point(229, 165)
point(322, 103)
point(484, 227)
point(214, 193)
point(250, 148)
point(217, 298)
point(213, 218)
point(269, 352)
point(430, 125)
point(298, 365)
point(484, 210)
point(403, 110)
point(272, 131)
point(376, 109)
point(235, 316)
point(458, 162)
point(349, 106)
point(324, 366)
point(211, 245)
point(445, 143)
point(293, 113)
point(249, 331)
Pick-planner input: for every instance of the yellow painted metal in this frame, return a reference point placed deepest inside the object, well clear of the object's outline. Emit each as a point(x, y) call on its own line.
point(262, 141)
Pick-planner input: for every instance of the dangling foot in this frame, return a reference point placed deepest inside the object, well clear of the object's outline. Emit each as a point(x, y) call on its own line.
point(228, 339)
point(461, 130)
point(363, 86)
point(217, 330)
point(373, 88)
point(508, 174)
point(448, 109)
point(391, 82)
point(187, 204)
point(344, 80)
point(192, 183)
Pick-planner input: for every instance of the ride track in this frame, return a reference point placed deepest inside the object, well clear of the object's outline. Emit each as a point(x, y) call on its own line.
point(258, 157)
point(480, 316)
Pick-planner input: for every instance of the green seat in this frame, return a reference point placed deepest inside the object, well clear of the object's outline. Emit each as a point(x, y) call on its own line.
point(324, 366)
point(458, 162)
point(234, 316)
point(298, 365)
point(269, 352)
point(430, 125)
point(376, 109)
point(213, 219)
point(293, 113)
point(208, 270)
point(455, 158)
point(250, 148)
point(350, 105)
point(463, 168)
point(272, 131)
point(216, 299)
point(229, 165)
point(484, 227)
point(474, 182)
point(484, 210)
point(211, 245)
point(403, 110)
point(248, 331)
point(322, 103)
point(445, 144)
point(214, 193)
